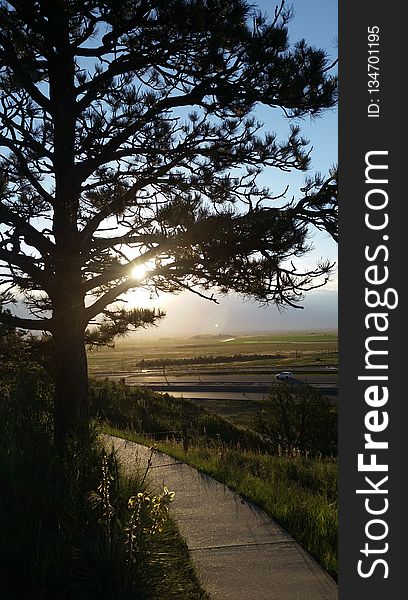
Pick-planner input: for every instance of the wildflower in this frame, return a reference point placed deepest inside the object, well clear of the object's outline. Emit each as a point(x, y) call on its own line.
point(167, 495)
point(132, 502)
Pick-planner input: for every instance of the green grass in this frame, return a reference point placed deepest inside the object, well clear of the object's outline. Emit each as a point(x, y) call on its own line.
point(64, 519)
point(238, 412)
point(299, 492)
point(305, 348)
point(162, 416)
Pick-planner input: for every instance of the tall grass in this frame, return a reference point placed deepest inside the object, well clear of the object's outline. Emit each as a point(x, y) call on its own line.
point(161, 416)
point(299, 492)
point(65, 521)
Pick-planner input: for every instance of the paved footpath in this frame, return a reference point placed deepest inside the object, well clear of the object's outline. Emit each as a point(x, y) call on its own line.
point(239, 552)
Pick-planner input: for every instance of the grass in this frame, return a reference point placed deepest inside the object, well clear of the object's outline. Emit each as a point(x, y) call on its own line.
point(238, 412)
point(162, 416)
point(291, 348)
point(65, 521)
point(299, 492)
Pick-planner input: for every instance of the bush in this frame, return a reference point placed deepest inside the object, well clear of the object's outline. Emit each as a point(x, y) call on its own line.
point(298, 417)
point(72, 526)
point(162, 416)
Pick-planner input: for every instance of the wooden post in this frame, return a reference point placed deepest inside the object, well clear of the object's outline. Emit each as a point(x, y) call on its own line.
point(185, 438)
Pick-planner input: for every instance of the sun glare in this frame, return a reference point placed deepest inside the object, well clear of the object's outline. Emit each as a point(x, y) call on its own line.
point(141, 293)
point(139, 272)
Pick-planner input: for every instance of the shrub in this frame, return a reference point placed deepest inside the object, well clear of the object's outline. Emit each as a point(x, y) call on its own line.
point(161, 416)
point(298, 417)
point(66, 521)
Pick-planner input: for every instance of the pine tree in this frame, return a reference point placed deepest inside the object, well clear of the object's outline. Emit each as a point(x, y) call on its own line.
point(129, 140)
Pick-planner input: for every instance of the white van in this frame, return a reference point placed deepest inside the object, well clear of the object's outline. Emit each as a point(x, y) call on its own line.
point(284, 375)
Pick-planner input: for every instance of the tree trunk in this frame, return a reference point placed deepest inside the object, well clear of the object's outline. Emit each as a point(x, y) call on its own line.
point(71, 412)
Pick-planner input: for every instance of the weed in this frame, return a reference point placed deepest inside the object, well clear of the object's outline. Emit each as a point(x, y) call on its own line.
point(65, 521)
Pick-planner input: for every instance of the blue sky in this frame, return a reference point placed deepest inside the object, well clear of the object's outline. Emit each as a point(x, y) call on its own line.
point(316, 21)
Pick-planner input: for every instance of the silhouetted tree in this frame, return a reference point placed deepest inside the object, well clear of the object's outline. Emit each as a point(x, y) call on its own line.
point(129, 141)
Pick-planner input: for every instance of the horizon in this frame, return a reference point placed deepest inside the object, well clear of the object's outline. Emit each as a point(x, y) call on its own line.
point(132, 337)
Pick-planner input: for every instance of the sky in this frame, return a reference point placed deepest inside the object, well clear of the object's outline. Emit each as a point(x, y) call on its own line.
point(316, 21)
point(187, 314)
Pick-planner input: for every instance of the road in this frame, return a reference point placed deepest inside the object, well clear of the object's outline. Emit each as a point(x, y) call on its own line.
point(225, 385)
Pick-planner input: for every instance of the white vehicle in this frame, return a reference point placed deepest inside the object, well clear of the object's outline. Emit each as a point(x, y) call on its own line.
point(284, 376)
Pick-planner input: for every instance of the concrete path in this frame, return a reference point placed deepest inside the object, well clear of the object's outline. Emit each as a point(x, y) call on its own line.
point(239, 552)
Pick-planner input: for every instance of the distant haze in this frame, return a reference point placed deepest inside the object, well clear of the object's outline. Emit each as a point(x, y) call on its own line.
point(189, 315)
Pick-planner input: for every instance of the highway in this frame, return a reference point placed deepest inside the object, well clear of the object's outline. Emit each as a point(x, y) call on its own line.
point(225, 385)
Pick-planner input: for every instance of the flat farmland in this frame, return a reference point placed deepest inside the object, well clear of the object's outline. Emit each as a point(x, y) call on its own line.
point(228, 351)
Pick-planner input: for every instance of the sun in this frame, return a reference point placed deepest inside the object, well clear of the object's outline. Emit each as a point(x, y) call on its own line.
point(139, 272)
point(142, 270)
point(141, 294)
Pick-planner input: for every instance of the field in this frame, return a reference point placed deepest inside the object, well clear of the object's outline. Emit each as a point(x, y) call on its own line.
point(299, 348)
point(219, 358)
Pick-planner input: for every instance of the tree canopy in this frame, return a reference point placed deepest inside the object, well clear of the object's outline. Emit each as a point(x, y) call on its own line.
point(136, 117)
point(129, 140)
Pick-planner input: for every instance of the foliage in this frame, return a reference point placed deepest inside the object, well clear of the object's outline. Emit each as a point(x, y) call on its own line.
point(56, 542)
point(204, 360)
point(142, 113)
point(297, 416)
point(162, 416)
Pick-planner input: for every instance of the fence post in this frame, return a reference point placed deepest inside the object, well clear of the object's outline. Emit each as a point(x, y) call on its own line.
point(185, 438)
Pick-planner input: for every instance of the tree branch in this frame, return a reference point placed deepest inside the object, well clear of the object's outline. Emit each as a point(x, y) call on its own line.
point(194, 291)
point(23, 165)
point(104, 301)
point(25, 264)
point(31, 235)
point(20, 322)
point(86, 168)
point(124, 270)
point(10, 57)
